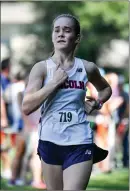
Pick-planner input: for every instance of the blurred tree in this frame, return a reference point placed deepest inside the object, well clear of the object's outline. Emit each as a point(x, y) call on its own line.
point(100, 22)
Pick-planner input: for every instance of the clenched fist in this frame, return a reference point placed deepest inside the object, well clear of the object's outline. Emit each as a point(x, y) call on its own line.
point(90, 104)
point(59, 76)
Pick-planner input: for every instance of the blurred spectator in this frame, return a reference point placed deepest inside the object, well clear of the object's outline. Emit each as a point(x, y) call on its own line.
point(17, 86)
point(114, 114)
point(31, 157)
point(7, 118)
point(5, 83)
point(26, 154)
point(122, 110)
point(106, 122)
point(122, 126)
point(5, 159)
point(4, 120)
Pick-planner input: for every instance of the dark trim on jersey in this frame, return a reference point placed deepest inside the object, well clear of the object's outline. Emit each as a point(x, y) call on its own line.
point(40, 128)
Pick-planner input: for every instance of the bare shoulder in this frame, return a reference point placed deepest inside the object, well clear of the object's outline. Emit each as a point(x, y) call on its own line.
point(90, 67)
point(39, 69)
point(36, 77)
point(94, 75)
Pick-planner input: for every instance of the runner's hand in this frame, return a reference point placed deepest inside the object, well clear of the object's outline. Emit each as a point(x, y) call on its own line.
point(59, 76)
point(90, 104)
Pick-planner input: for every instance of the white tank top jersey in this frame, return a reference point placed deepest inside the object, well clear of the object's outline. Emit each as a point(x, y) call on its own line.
point(63, 117)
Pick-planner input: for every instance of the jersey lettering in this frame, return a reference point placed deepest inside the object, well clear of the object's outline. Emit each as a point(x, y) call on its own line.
point(73, 84)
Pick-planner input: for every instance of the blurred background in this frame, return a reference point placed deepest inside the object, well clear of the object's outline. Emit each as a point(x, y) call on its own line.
point(26, 39)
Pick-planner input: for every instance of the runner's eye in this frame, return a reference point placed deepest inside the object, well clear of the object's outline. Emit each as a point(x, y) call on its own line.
point(56, 30)
point(67, 30)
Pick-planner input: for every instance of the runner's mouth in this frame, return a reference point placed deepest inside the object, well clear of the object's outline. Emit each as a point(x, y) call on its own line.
point(60, 41)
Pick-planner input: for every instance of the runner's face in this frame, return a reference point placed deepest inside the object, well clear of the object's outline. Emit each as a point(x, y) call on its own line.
point(63, 35)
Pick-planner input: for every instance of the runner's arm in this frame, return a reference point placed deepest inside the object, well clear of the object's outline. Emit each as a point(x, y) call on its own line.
point(35, 94)
point(94, 76)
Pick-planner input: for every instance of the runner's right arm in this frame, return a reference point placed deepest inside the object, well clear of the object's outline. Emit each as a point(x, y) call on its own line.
point(35, 94)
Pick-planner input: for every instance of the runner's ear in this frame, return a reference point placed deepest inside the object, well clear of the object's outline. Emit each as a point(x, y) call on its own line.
point(78, 39)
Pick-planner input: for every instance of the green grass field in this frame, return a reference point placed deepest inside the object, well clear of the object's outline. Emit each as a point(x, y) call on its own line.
point(117, 180)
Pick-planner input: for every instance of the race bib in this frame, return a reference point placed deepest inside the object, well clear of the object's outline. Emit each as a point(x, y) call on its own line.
point(66, 117)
